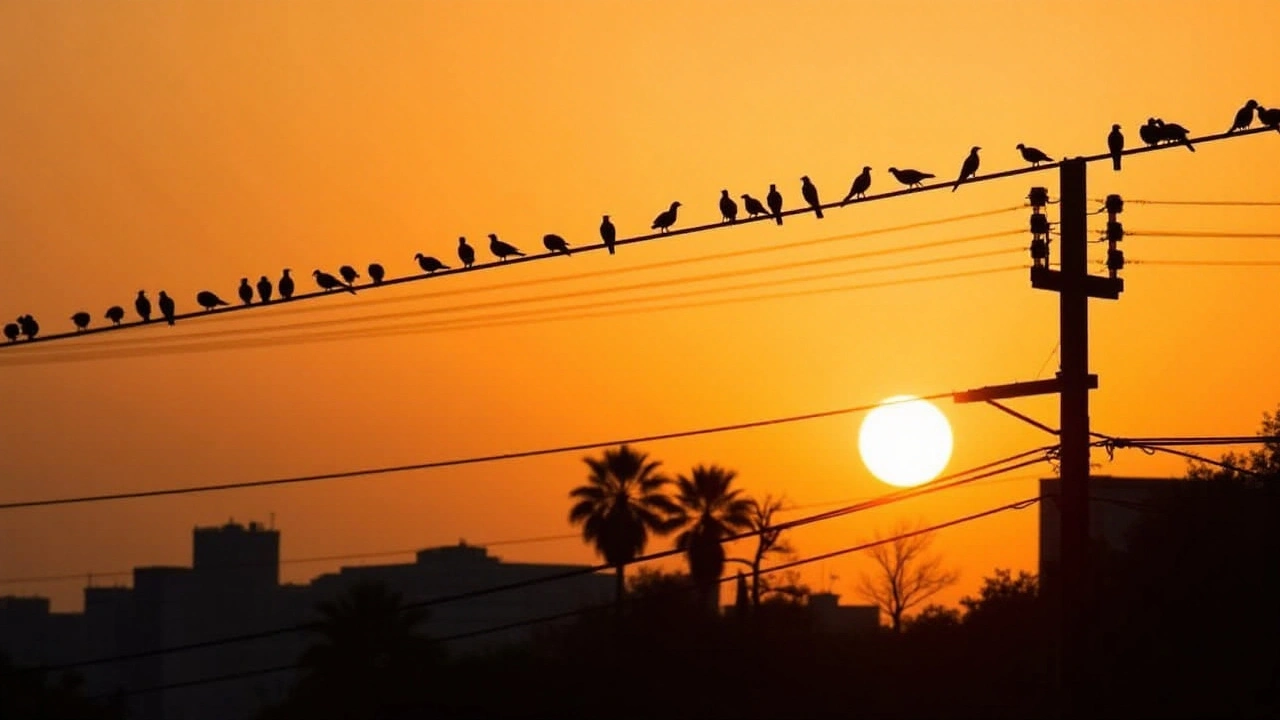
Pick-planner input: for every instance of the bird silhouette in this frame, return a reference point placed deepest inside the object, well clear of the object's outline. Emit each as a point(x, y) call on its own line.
point(555, 244)
point(208, 300)
point(376, 273)
point(665, 219)
point(167, 307)
point(909, 177)
point(29, 327)
point(1174, 133)
point(969, 167)
point(81, 320)
point(1150, 132)
point(245, 291)
point(115, 314)
point(1269, 117)
point(809, 192)
point(12, 331)
point(753, 206)
point(1115, 143)
point(502, 250)
point(1244, 117)
point(328, 282)
point(285, 285)
point(1033, 155)
point(143, 306)
point(774, 199)
point(608, 233)
point(466, 253)
point(728, 208)
point(860, 185)
point(348, 274)
point(264, 289)
point(429, 264)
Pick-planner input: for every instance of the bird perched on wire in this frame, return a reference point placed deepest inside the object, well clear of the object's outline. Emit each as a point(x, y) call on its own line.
point(1033, 155)
point(167, 307)
point(12, 331)
point(348, 274)
point(1244, 117)
point(556, 244)
point(501, 249)
point(1269, 117)
point(809, 192)
point(608, 233)
point(81, 320)
point(728, 208)
point(208, 300)
point(969, 167)
point(245, 291)
point(115, 314)
point(328, 282)
point(860, 186)
point(142, 306)
point(774, 199)
point(665, 219)
point(909, 177)
point(429, 264)
point(29, 327)
point(753, 206)
point(376, 273)
point(264, 289)
point(1174, 133)
point(1150, 132)
point(1115, 144)
point(466, 253)
point(285, 285)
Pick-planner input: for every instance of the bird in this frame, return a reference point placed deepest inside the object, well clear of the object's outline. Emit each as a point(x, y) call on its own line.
point(809, 192)
point(466, 253)
point(81, 319)
point(861, 184)
point(29, 327)
point(1033, 155)
point(1244, 117)
point(348, 274)
point(969, 167)
point(245, 290)
point(774, 198)
point(1270, 117)
point(167, 307)
point(264, 289)
point(728, 208)
point(501, 249)
point(429, 264)
point(1115, 143)
point(608, 233)
point(115, 314)
point(12, 331)
point(555, 244)
point(208, 300)
point(909, 177)
point(665, 219)
point(328, 282)
point(376, 273)
point(753, 206)
point(1174, 133)
point(1150, 132)
point(143, 306)
point(285, 285)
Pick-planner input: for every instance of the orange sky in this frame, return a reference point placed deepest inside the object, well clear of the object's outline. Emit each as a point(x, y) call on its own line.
point(183, 145)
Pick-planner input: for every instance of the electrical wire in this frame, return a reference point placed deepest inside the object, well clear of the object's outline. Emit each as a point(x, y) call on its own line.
point(1204, 263)
point(1202, 203)
point(1210, 234)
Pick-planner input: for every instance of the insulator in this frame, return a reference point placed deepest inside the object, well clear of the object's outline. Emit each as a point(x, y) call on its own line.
point(1039, 197)
point(1039, 249)
point(1114, 204)
point(1115, 260)
point(1039, 224)
point(1115, 231)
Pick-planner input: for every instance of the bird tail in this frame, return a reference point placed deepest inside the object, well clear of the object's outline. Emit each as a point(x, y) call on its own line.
point(349, 289)
point(777, 217)
point(956, 186)
point(846, 199)
point(817, 211)
point(1187, 142)
point(1115, 163)
point(611, 249)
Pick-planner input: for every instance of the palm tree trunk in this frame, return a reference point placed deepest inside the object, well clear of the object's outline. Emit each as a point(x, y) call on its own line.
point(620, 588)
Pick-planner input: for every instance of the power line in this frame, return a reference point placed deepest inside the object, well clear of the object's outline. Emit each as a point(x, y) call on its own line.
point(677, 232)
point(1202, 203)
point(1210, 234)
point(1205, 263)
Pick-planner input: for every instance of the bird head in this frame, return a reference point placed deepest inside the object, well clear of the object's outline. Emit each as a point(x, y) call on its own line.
point(244, 281)
point(675, 204)
point(463, 241)
point(894, 170)
point(724, 193)
point(287, 271)
point(1115, 126)
point(1020, 146)
point(804, 178)
point(493, 236)
point(745, 196)
point(974, 149)
point(866, 168)
point(606, 217)
point(1251, 104)
point(418, 256)
point(142, 293)
point(315, 273)
point(773, 186)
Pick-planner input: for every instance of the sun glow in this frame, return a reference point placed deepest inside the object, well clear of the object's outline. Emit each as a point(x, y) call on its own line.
point(906, 441)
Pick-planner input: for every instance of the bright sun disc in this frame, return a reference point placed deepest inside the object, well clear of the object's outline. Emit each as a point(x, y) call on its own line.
point(905, 443)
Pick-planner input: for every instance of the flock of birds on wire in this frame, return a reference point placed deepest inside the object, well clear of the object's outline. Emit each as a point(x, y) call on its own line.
point(1154, 132)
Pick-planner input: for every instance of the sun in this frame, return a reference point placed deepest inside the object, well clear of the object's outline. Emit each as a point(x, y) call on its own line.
point(905, 441)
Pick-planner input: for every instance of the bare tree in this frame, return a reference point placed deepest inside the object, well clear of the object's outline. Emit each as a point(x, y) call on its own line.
point(906, 574)
point(768, 540)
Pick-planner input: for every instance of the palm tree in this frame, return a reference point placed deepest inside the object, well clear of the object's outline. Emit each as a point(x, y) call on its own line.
point(709, 512)
point(621, 503)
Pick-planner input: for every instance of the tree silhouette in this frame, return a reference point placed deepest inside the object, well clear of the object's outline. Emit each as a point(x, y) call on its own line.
point(768, 538)
point(905, 574)
point(622, 502)
point(39, 694)
point(709, 511)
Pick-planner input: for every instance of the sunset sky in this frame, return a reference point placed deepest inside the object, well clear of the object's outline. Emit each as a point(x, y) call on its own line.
point(183, 145)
